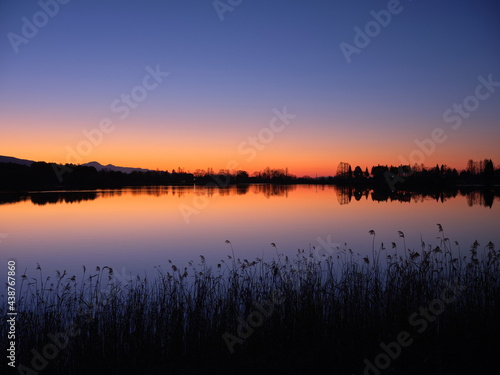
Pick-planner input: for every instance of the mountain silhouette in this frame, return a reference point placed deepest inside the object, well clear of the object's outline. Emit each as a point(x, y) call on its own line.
point(10, 159)
point(113, 168)
point(98, 166)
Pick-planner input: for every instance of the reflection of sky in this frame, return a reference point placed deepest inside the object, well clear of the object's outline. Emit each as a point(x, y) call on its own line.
point(139, 231)
point(226, 77)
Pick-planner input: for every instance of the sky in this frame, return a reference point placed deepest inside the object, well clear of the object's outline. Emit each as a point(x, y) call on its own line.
point(232, 84)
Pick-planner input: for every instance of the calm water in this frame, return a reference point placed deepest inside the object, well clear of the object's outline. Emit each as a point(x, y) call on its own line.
point(133, 230)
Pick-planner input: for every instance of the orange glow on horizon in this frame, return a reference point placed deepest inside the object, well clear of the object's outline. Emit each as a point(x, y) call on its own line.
point(295, 165)
point(301, 151)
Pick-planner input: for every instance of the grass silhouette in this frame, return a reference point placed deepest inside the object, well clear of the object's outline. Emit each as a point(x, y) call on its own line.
point(336, 310)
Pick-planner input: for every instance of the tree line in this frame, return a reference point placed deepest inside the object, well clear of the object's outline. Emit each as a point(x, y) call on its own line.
point(41, 175)
point(481, 172)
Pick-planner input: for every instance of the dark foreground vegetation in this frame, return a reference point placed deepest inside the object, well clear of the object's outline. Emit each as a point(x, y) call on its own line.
point(326, 309)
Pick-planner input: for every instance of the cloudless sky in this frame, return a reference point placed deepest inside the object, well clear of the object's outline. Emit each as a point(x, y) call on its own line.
point(227, 77)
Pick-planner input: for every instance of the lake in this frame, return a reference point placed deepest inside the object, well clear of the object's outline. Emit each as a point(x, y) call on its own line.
point(133, 230)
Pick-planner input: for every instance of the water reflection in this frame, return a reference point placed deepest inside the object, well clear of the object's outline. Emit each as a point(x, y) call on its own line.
point(344, 194)
point(139, 228)
point(9, 198)
point(474, 197)
point(274, 190)
point(483, 198)
point(57, 197)
point(43, 198)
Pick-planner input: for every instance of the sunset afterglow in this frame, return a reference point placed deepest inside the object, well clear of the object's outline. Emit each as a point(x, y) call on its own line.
point(182, 89)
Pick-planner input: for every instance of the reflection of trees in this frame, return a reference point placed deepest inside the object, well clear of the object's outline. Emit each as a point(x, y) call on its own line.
point(358, 194)
point(489, 197)
point(473, 197)
point(60, 197)
point(179, 191)
point(379, 196)
point(344, 194)
point(6, 198)
point(417, 198)
point(149, 190)
point(398, 196)
point(270, 190)
point(483, 197)
point(242, 189)
point(110, 193)
point(207, 191)
point(224, 192)
point(210, 191)
point(401, 196)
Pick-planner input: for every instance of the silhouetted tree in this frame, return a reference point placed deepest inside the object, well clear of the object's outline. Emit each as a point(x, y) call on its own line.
point(343, 170)
point(358, 172)
point(489, 171)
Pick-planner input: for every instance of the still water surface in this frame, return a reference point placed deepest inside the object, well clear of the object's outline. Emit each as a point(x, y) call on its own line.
point(135, 229)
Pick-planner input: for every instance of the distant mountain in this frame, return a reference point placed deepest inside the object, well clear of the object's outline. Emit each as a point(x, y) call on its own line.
point(111, 167)
point(9, 159)
point(96, 165)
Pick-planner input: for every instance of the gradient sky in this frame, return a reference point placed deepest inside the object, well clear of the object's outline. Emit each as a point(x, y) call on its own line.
point(227, 77)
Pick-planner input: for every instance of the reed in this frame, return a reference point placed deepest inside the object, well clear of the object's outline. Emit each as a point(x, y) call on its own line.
point(336, 310)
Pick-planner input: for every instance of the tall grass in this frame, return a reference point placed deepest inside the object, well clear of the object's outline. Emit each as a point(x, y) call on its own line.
point(336, 310)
